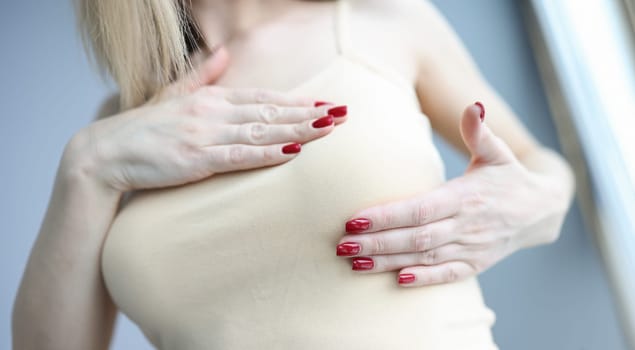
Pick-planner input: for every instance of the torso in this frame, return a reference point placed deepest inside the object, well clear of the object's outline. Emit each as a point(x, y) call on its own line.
point(246, 260)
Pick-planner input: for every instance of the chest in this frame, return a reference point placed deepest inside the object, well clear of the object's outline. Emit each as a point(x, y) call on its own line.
point(283, 54)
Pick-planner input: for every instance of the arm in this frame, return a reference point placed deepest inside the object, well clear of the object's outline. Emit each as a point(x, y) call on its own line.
point(513, 195)
point(189, 132)
point(444, 62)
point(62, 302)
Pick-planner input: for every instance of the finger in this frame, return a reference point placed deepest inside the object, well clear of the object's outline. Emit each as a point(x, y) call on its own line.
point(227, 158)
point(418, 276)
point(484, 146)
point(263, 96)
point(339, 112)
point(391, 262)
point(273, 114)
point(438, 204)
point(405, 240)
point(266, 134)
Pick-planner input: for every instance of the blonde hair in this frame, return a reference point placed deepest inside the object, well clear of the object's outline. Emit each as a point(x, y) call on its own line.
point(142, 44)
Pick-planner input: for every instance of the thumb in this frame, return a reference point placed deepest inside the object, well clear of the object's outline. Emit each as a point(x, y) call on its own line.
point(484, 146)
point(209, 70)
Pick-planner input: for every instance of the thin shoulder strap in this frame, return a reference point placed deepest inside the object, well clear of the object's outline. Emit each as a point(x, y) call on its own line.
point(342, 30)
point(346, 49)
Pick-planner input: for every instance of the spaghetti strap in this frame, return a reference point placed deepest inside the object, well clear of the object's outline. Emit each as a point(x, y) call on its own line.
point(342, 31)
point(345, 47)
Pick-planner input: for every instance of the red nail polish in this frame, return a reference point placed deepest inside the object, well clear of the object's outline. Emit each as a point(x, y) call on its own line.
point(338, 111)
point(482, 115)
point(357, 225)
point(323, 122)
point(360, 264)
point(292, 148)
point(321, 103)
point(405, 278)
point(348, 249)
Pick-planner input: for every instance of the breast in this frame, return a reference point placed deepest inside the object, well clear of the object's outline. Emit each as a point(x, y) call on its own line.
point(247, 259)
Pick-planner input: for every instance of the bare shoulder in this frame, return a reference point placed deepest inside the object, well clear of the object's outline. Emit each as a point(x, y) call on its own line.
point(108, 107)
point(407, 12)
point(418, 23)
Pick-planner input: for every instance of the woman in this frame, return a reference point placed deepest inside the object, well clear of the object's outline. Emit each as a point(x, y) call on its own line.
point(244, 259)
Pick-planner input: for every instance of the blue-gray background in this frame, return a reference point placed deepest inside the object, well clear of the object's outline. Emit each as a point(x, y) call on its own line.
point(553, 297)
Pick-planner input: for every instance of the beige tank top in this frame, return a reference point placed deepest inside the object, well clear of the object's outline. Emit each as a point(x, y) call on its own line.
point(246, 260)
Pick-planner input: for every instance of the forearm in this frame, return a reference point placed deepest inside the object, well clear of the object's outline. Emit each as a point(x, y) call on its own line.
point(554, 178)
point(62, 302)
point(555, 169)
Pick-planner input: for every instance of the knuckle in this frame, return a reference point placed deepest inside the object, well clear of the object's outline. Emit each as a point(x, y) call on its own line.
point(269, 154)
point(473, 199)
point(377, 245)
point(269, 113)
point(421, 239)
point(450, 274)
point(186, 152)
point(386, 217)
point(422, 213)
point(215, 158)
point(472, 227)
point(191, 128)
point(236, 155)
point(300, 131)
point(428, 257)
point(256, 132)
point(312, 113)
point(262, 96)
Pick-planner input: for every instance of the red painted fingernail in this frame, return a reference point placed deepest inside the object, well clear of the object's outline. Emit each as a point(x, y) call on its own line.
point(482, 115)
point(338, 111)
point(321, 103)
point(348, 249)
point(323, 122)
point(360, 264)
point(405, 278)
point(292, 148)
point(357, 225)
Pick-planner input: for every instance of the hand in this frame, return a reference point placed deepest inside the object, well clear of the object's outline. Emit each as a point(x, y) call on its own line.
point(462, 227)
point(191, 131)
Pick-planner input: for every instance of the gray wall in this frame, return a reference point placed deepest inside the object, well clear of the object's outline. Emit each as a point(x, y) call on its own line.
point(553, 297)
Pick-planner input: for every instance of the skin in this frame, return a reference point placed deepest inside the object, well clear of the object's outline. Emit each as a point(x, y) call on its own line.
point(188, 132)
point(513, 195)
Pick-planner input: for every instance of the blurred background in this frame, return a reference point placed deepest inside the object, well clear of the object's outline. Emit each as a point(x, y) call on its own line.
point(554, 297)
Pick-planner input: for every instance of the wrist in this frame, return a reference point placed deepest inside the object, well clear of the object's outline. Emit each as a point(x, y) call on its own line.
point(547, 201)
point(553, 174)
point(82, 167)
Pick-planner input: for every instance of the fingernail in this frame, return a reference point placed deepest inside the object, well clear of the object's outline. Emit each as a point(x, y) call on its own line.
point(338, 111)
point(480, 105)
point(323, 122)
point(292, 148)
point(357, 225)
point(322, 103)
point(348, 249)
point(405, 278)
point(360, 264)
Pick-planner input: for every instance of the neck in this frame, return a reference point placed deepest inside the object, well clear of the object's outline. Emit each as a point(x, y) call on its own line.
point(222, 20)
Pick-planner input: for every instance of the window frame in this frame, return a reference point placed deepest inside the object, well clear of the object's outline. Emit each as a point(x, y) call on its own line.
point(579, 90)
